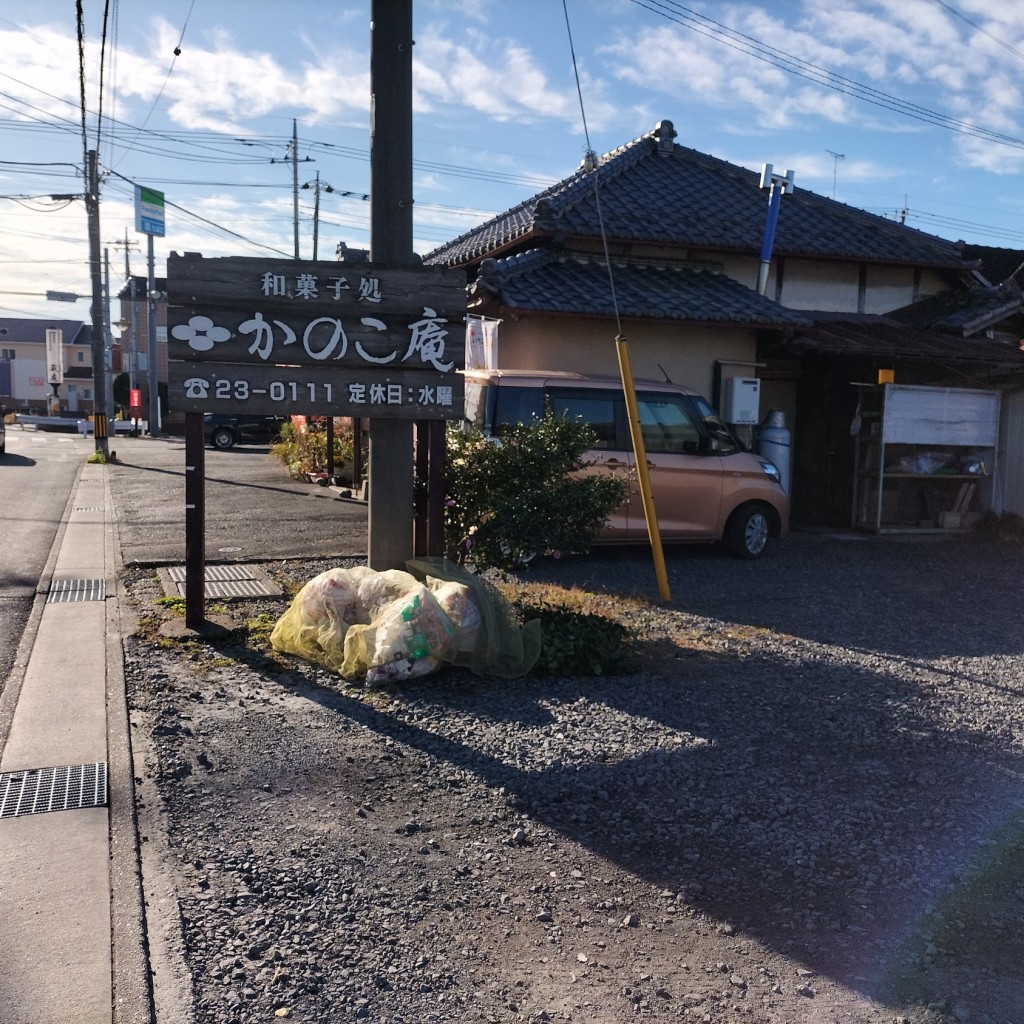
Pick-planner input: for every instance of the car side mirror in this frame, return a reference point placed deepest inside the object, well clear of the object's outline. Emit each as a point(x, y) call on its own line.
point(708, 446)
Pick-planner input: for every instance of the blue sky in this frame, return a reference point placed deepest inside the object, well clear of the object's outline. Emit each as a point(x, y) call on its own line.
point(889, 105)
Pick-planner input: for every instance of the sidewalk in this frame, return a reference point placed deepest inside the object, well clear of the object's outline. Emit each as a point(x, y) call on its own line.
point(71, 933)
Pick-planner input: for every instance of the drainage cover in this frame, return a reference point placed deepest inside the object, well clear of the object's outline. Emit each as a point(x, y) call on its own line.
point(67, 788)
point(224, 581)
point(62, 591)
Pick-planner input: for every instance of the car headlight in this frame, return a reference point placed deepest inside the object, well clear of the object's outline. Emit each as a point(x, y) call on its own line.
point(771, 471)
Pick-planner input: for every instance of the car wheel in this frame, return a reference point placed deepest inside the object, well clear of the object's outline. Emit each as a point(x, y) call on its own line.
point(747, 533)
point(223, 438)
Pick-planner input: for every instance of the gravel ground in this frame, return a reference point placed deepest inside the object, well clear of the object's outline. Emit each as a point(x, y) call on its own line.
point(807, 806)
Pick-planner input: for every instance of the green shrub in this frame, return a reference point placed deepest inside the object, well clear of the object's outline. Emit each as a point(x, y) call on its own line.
point(305, 451)
point(575, 643)
point(509, 500)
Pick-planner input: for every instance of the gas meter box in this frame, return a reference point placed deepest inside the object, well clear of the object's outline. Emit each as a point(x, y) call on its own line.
point(742, 400)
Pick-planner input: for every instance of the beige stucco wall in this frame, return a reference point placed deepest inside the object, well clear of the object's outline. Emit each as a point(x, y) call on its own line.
point(686, 353)
point(835, 286)
point(831, 286)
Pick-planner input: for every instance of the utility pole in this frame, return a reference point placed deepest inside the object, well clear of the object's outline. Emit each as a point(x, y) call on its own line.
point(316, 214)
point(153, 380)
point(295, 182)
point(108, 338)
point(133, 359)
point(92, 210)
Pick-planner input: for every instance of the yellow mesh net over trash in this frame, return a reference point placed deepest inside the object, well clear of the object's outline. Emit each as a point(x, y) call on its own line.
point(379, 626)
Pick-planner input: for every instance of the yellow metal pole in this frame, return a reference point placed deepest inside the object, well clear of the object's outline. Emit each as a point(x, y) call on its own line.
point(640, 456)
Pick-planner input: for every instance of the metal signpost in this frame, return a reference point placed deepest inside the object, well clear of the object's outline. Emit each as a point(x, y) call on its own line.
point(255, 335)
point(150, 220)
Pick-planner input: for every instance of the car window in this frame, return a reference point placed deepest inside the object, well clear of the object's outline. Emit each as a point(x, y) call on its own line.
point(516, 405)
point(728, 443)
point(595, 408)
point(666, 425)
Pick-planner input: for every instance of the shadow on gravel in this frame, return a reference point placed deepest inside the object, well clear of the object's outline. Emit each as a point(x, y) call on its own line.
point(855, 803)
point(801, 802)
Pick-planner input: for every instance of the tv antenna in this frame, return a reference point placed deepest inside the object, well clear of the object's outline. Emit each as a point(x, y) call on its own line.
point(836, 157)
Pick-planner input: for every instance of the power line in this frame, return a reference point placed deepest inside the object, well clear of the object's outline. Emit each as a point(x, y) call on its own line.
point(967, 21)
point(818, 75)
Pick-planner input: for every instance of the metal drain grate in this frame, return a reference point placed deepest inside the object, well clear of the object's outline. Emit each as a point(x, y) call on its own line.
point(216, 572)
point(237, 588)
point(237, 580)
point(63, 591)
point(67, 788)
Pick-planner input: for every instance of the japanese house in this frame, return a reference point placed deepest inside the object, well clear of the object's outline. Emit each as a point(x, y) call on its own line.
point(662, 244)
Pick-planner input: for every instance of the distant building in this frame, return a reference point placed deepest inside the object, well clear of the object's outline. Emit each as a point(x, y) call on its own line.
point(24, 373)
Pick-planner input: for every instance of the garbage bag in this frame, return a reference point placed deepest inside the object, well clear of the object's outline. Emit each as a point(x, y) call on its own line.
point(407, 637)
point(500, 645)
point(393, 625)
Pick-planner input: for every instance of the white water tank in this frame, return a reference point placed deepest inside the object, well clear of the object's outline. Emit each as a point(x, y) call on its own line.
point(773, 442)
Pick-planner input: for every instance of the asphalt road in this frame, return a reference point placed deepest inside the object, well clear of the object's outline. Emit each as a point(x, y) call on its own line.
point(254, 510)
point(36, 476)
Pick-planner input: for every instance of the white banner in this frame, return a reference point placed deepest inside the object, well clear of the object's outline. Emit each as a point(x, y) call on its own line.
point(54, 356)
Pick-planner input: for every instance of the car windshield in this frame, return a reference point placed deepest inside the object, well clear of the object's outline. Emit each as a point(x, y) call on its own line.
point(718, 430)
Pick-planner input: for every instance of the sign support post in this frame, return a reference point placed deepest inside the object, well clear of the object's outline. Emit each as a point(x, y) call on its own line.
point(195, 522)
point(390, 528)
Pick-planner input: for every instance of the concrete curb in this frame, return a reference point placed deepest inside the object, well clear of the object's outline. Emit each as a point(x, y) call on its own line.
point(130, 970)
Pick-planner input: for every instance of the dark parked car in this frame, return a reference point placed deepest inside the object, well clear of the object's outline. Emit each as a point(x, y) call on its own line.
point(225, 431)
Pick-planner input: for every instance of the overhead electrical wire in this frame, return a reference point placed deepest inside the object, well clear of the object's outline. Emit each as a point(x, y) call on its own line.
point(592, 165)
point(103, 67)
point(204, 220)
point(163, 84)
point(703, 25)
point(977, 28)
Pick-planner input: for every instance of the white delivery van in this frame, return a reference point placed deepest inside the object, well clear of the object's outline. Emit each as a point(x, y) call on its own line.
point(706, 485)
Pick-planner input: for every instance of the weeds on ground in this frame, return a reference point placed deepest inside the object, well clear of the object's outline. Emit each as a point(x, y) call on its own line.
point(582, 634)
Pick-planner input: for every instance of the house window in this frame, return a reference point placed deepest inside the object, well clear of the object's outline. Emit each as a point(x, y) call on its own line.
point(7, 353)
point(81, 357)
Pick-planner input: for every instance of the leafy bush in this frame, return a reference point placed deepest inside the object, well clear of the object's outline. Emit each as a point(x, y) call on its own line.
point(576, 643)
point(509, 500)
point(305, 451)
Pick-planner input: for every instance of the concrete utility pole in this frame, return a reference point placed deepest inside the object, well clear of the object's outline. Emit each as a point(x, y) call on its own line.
point(390, 534)
point(99, 320)
point(151, 369)
point(295, 181)
point(108, 338)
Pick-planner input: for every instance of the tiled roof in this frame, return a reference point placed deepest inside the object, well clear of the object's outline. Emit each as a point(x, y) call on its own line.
point(852, 334)
point(544, 279)
point(965, 311)
point(32, 331)
point(652, 190)
point(997, 264)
